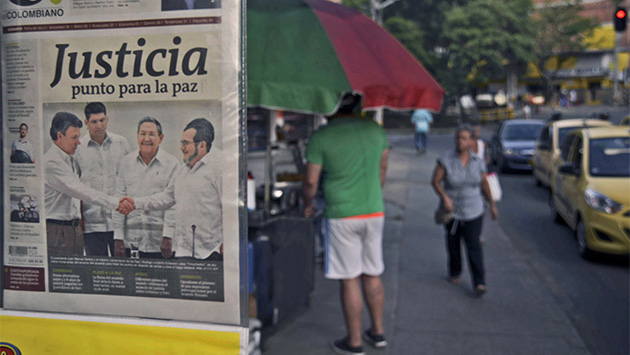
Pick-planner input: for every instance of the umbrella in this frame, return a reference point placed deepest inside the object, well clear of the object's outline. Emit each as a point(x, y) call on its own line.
point(303, 54)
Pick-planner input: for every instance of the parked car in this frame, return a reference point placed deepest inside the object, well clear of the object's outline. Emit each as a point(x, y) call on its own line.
point(547, 148)
point(590, 189)
point(512, 146)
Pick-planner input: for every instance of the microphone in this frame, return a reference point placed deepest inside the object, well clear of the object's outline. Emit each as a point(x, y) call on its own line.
point(193, 227)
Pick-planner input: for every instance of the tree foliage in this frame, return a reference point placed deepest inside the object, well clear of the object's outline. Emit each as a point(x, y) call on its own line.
point(560, 29)
point(470, 42)
point(487, 39)
point(408, 32)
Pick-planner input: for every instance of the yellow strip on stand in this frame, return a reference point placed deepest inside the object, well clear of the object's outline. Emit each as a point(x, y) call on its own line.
point(62, 336)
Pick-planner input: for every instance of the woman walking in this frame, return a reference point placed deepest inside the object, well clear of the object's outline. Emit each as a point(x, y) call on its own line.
point(459, 179)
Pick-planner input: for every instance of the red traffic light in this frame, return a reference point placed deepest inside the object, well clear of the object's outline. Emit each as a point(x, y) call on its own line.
point(621, 13)
point(620, 19)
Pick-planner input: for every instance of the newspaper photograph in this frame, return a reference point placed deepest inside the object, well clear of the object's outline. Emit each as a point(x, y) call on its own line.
point(121, 150)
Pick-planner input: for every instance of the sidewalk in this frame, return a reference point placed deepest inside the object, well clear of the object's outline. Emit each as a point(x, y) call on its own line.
point(424, 314)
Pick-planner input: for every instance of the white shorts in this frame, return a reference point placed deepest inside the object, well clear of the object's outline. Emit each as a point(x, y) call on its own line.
point(353, 246)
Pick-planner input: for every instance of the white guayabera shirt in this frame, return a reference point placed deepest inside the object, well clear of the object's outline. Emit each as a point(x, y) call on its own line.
point(196, 194)
point(63, 189)
point(143, 229)
point(99, 168)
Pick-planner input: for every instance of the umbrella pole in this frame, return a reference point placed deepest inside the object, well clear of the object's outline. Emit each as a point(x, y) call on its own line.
point(271, 124)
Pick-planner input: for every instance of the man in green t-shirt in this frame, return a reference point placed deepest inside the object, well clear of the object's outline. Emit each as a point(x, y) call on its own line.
point(350, 154)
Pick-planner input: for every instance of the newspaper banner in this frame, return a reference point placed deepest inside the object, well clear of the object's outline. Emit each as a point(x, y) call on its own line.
point(121, 157)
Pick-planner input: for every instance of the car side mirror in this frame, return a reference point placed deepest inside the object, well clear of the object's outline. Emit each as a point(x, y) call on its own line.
point(567, 168)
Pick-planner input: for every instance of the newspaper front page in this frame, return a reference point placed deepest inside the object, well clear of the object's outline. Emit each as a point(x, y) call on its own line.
point(155, 87)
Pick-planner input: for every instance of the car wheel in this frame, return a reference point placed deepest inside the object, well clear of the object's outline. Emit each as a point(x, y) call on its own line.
point(580, 234)
point(552, 209)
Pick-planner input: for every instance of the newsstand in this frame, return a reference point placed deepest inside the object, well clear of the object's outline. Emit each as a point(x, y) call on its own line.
point(281, 240)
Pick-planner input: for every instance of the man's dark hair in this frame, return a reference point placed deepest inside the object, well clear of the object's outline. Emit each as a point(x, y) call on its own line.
point(350, 103)
point(152, 120)
point(61, 122)
point(93, 108)
point(25, 125)
point(205, 131)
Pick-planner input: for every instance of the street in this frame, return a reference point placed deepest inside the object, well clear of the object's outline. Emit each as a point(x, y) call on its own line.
point(543, 298)
point(594, 294)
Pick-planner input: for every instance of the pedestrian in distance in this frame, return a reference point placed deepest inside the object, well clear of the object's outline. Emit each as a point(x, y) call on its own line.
point(422, 121)
point(479, 144)
point(527, 111)
point(350, 154)
point(459, 179)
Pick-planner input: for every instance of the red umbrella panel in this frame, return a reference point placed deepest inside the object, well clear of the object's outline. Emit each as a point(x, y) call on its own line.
point(303, 54)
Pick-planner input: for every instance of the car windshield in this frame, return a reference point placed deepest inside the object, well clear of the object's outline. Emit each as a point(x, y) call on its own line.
point(521, 132)
point(610, 157)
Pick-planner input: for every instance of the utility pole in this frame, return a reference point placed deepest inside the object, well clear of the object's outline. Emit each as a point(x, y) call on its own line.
point(376, 11)
point(615, 73)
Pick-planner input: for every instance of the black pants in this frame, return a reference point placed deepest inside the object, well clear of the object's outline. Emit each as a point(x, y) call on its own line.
point(99, 243)
point(470, 232)
point(64, 239)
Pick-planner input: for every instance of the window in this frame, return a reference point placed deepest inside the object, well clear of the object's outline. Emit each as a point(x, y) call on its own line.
point(544, 138)
point(566, 147)
point(609, 157)
point(521, 132)
point(575, 157)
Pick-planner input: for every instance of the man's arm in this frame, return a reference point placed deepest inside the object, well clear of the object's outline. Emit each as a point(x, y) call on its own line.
point(311, 181)
point(383, 166)
point(119, 219)
point(159, 201)
point(61, 178)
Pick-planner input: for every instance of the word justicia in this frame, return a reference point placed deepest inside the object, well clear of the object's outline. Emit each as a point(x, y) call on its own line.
point(158, 62)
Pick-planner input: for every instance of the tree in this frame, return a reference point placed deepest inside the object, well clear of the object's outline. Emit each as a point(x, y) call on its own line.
point(487, 40)
point(410, 35)
point(429, 15)
point(360, 5)
point(561, 29)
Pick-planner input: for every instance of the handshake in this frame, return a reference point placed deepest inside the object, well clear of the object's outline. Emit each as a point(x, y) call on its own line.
point(126, 205)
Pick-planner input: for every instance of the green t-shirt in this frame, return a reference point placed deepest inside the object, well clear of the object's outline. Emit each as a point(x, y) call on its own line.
point(349, 150)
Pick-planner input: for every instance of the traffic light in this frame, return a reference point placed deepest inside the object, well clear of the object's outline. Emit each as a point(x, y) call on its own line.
point(620, 19)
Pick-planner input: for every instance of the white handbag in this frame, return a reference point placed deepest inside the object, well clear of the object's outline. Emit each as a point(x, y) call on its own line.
point(495, 186)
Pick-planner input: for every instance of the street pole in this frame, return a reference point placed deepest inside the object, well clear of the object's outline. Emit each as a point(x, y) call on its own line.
point(376, 11)
point(615, 73)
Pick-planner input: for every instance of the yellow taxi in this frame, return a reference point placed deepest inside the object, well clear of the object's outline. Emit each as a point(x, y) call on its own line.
point(591, 189)
point(547, 147)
